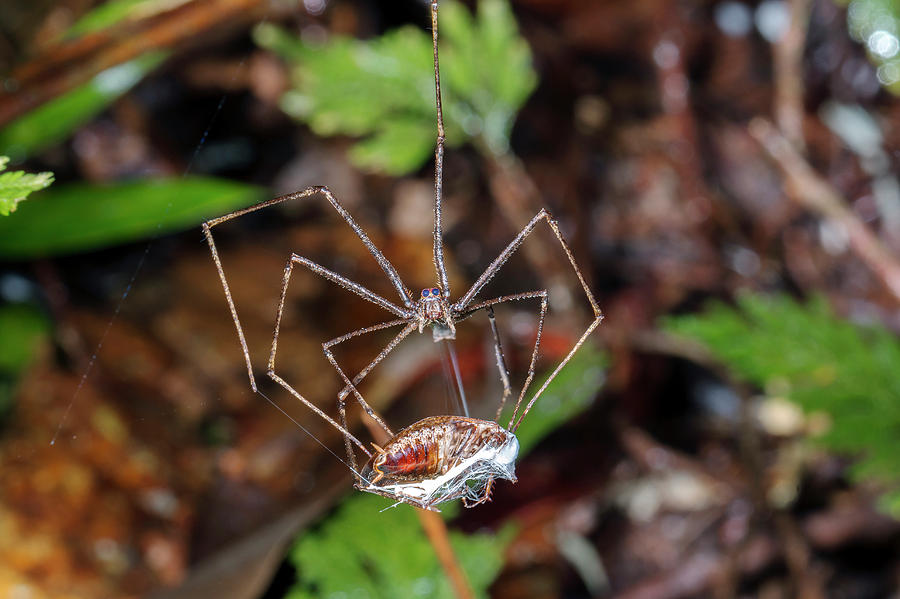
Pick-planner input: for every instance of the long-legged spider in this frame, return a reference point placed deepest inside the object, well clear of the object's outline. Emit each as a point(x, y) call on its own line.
point(435, 459)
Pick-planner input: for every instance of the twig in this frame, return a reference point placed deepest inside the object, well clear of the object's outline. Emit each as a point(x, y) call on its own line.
point(788, 66)
point(436, 531)
point(70, 63)
point(810, 190)
point(785, 146)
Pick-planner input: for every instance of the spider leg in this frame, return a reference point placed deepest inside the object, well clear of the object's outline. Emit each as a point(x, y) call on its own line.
point(464, 304)
point(439, 266)
point(383, 262)
point(351, 456)
point(381, 356)
point(348, 436)
point(409, 328)
point(347, 284)
point(501, 364)
point(351, 385)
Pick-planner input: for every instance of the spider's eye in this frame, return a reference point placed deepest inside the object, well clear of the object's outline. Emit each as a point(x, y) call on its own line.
point(435, 292)
point(424, 293)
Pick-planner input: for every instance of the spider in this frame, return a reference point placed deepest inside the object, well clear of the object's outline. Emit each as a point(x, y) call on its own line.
point(438, 458)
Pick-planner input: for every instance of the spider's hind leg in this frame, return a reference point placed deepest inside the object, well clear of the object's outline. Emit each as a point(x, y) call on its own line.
point(464, 304)
point(498, 348)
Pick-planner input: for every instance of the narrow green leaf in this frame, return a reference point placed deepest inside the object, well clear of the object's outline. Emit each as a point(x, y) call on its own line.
point(570, 393)
point(81, 217)
point(112, 12)
point(55, 121)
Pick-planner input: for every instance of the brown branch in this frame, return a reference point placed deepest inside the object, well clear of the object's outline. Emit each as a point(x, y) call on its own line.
point(812, 192)
point(788, 66)
point(71, 63)
point(436, 531)
point(805, 582)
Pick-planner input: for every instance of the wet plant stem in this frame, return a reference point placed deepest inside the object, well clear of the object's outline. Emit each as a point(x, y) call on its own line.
point(436, 530)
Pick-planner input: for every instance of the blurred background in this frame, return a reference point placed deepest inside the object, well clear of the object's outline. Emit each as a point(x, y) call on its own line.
point(725, 172)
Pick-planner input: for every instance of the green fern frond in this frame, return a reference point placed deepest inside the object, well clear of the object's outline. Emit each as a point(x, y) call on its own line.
point(820, 362)
point(16, 185)
point(383, 90)
point(362, 551)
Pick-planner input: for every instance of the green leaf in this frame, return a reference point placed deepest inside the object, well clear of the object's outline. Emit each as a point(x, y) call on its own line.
point(393, 149)
point(362, 551)
point(822, 363)
point(55, 120)
point(23, 328)
point(81, 217)
point(112, 12)
point(488, 65)
point(383, 89)
point(570, 393)
point(15, 186)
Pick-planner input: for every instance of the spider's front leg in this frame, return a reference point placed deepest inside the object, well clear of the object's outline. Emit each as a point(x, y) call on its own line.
point(346, 284)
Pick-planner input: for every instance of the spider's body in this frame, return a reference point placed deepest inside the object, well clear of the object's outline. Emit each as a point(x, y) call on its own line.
point(431, 461)
point(439, 458)
point(434, 311)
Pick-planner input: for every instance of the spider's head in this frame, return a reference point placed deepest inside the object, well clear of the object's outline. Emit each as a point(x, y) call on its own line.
point(432, 302)
point(434, 312)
